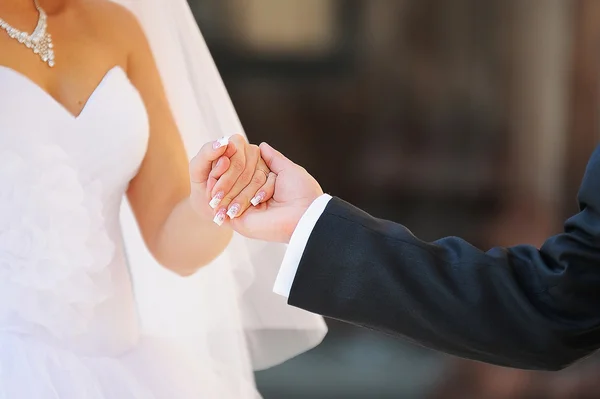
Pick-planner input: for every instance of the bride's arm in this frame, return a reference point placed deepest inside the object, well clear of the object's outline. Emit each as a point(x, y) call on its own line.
point(178, 237)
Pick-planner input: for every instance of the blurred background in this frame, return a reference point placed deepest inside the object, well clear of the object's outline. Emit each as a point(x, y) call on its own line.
point(466, 117)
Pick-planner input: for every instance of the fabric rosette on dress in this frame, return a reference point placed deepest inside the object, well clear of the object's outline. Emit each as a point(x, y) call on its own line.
point(54, 248)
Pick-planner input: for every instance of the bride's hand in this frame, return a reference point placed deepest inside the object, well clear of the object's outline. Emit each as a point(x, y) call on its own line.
point(232, 176)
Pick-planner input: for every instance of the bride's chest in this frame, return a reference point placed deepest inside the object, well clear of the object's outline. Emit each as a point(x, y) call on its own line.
point(107, 141)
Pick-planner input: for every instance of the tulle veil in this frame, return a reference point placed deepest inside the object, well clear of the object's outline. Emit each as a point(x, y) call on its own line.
point(227, 310)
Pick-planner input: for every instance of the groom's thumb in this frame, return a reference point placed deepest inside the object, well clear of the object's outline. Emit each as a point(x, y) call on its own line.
point(275, 160)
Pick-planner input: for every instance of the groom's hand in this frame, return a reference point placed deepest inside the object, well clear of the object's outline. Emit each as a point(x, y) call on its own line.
point(277, 218)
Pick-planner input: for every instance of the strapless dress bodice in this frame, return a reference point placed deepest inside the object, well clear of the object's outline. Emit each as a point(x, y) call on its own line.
point(63, 270)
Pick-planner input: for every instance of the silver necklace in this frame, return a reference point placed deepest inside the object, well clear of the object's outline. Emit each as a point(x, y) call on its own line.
point(39, 41)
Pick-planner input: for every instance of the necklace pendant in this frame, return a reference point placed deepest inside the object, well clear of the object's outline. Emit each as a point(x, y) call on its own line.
point(44, 48)
point(39, 41)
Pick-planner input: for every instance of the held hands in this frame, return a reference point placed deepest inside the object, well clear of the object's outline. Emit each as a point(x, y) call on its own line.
point(295, 190)
point(257, 191)
point(227, 176)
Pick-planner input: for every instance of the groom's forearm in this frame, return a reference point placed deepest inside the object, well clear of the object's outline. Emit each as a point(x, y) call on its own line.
point(517, 307)
point(186, 242)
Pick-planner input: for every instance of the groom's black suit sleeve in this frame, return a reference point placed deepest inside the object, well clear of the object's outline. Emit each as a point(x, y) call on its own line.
point(519, 307)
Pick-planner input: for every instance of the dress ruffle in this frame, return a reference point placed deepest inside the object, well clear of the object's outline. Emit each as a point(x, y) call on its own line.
point(155, 369)
point(54, 248)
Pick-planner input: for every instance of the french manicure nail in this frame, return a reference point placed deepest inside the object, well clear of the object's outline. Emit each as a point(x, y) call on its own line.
point(219, 218)
point(216, 200)
point(222, 142)
point(257, 199)
point(233, 211)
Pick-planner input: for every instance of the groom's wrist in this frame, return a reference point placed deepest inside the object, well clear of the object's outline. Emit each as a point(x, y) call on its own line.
point(308, 217)
point(297, 244)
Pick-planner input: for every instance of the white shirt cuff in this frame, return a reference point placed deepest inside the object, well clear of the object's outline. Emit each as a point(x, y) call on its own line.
point(293, 254)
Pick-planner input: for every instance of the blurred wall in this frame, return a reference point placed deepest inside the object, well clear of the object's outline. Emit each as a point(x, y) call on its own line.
point(453, 118)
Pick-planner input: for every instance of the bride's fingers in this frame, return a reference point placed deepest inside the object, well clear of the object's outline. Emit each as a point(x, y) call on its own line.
point(266, 192)
point(201, 165)
point(247, 177)
point(219, 168)
point(243, 201)
point(236, 152)
point(260, 197)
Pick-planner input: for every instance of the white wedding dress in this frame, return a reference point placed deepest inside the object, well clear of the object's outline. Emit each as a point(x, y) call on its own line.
point(68, 320)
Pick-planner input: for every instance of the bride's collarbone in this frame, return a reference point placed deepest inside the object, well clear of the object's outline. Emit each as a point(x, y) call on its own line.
point(71, 81)
point(90, 38)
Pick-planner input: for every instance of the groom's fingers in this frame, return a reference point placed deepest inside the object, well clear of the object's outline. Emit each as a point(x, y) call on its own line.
point(201, 164)
point(275, 160)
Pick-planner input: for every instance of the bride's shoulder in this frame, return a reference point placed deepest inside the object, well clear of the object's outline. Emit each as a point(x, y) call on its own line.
point(113, 16)
point(116, 21)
